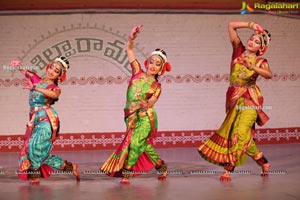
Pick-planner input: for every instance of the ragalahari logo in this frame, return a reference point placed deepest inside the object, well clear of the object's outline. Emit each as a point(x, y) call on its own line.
point(246, 8)
point(278, 8)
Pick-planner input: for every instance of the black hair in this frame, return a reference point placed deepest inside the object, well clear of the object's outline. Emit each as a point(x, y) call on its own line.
point(65, 60)
point(161, 50)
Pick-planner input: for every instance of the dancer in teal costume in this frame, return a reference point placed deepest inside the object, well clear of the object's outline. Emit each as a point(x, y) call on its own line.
point(35, 159)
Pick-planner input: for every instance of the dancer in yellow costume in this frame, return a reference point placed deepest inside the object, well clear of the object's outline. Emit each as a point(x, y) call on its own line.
point(229, 146)
point(136, 154)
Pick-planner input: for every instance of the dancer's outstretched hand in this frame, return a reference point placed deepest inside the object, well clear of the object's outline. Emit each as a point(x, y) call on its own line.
point(135, 31)
point(15, 63)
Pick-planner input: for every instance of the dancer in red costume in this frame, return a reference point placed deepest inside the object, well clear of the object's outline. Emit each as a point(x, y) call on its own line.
point(229, 146)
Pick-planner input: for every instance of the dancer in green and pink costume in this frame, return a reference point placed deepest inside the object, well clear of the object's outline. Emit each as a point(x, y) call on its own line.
point(136, 153)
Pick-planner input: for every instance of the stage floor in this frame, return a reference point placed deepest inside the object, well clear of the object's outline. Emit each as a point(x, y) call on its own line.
point(190, 177)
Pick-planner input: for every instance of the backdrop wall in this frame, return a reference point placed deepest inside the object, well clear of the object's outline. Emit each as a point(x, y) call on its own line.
point(193, 94)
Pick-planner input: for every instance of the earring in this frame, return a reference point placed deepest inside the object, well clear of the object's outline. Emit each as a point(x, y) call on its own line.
point(146, 62)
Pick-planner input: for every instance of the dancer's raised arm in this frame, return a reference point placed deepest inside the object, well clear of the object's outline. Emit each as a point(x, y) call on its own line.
point(130, 43)
point(233, 26)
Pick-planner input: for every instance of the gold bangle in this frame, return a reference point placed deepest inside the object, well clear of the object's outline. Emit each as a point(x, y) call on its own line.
point(250, 25)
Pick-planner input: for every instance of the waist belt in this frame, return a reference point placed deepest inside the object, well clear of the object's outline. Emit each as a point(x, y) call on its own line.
point(37, 108)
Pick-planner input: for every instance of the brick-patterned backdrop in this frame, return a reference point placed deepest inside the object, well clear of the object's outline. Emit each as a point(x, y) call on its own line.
point(193, 94)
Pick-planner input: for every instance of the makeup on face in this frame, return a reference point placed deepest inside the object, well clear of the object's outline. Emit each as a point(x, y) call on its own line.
point(255, 39)
point(155, 64)
point(254, 43)
point(155, 60)
point(54, 71)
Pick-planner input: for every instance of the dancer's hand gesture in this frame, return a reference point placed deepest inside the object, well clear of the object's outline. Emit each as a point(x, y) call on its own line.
point(257, 28)
point(134, 32)
point(17, 65)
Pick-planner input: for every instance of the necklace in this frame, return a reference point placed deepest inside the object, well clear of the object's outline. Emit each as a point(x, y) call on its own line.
point(248, 60)
point(244, 55)
point(46, 80)
point(138, 90)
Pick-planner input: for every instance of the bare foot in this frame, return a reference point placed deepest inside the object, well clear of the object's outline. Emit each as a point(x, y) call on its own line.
point(163, 176)
point(75, 172)
point(265, 169)
point(225, 176)
point(124, 181)
point(35, 181)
